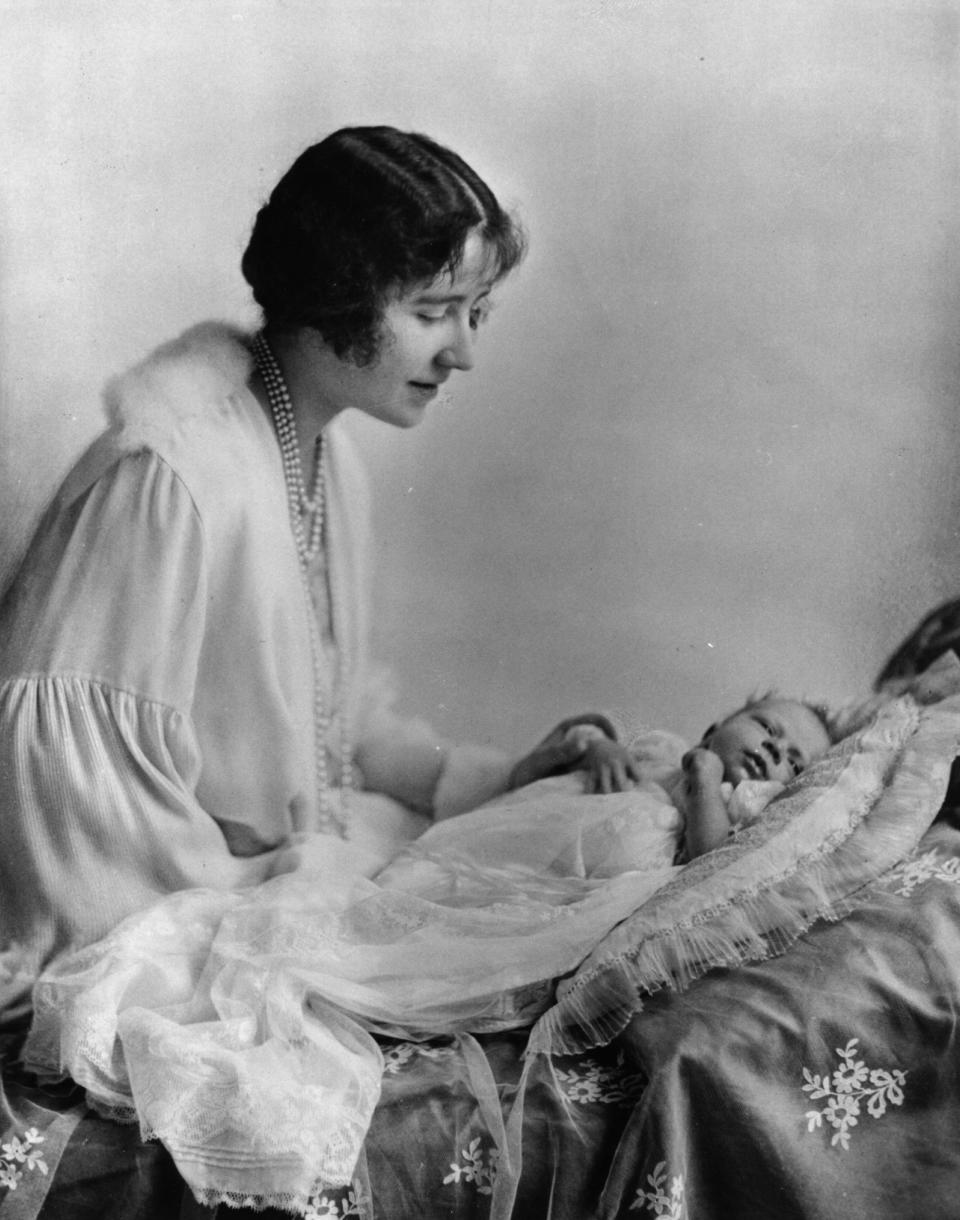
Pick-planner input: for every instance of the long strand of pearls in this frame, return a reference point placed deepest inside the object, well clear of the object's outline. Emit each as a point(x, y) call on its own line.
point(308, 547)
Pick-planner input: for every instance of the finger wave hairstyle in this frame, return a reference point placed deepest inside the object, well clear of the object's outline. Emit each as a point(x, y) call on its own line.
point(368, 211)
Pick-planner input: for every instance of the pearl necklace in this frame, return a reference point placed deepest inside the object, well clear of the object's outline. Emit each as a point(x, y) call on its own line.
point(308, 547)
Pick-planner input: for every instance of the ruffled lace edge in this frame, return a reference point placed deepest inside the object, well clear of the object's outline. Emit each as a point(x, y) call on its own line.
point(765, 917)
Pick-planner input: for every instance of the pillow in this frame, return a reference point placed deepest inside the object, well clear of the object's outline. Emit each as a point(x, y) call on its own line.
point(843, 822)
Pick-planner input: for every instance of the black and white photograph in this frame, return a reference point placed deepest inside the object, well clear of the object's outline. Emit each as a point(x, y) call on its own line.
point(479, 609)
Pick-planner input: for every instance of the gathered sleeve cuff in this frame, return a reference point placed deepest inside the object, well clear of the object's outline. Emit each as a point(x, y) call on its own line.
point(106, 821)
point(99, 759)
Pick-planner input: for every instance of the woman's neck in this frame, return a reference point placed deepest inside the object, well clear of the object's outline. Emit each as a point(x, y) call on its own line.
point(303, 358)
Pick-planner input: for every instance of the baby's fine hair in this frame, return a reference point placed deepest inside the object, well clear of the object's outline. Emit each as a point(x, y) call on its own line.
point(819, 709)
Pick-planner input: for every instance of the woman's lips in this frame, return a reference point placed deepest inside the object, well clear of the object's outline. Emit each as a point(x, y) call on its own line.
point(426, 388)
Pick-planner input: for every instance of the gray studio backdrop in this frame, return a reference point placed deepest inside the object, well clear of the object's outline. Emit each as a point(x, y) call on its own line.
point(710, 441)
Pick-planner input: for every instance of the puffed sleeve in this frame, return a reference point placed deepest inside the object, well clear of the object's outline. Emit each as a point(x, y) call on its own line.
point(101, 634)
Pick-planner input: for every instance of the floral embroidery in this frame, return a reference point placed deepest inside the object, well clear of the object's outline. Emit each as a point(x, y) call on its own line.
point(591, 1082)
point(474, 1171)
point(846, 1088)
point(925, 868)
point(399, 1056)
point(18, 1155)
point(657, 1201)
point(320, 1206)
point(396, 1057)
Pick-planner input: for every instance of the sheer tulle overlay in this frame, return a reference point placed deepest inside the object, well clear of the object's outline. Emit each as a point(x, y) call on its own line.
point(236, 1027)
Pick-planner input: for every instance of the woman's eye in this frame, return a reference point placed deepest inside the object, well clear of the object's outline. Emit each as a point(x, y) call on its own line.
point(479, 314)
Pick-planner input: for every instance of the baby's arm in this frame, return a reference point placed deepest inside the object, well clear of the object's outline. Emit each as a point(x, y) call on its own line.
point(708, 822)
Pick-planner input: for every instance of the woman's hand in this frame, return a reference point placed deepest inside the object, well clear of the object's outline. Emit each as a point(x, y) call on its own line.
point(610, 767)
point(559, 752)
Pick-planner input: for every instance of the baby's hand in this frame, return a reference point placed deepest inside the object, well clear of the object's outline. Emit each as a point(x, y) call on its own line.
point(707, 820)
point(610, 767)
point(702, 768)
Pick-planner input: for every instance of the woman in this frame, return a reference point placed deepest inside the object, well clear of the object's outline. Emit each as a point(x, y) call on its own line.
point(184, 683)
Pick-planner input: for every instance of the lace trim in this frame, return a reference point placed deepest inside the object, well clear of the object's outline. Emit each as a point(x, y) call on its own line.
point(314, 1204)
point(843, 824)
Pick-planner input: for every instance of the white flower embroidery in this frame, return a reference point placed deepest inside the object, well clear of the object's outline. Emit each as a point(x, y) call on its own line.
point(396, 1057)
point(400, 1055)
point(657, 1201)
point(923, 868)
point(20, 1155)
point(320, 1206)
point(590, 1082)
point(849, 1086)
point(582, 1088)
point(474, 1171)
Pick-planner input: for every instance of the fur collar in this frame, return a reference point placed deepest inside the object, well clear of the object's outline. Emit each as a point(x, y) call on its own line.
point(189, 378)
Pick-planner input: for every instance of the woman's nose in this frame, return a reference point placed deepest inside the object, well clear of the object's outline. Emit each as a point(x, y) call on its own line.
point(773, 750)
point(459, 354)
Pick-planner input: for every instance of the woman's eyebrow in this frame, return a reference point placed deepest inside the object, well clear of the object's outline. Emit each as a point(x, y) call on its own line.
point(448, 298)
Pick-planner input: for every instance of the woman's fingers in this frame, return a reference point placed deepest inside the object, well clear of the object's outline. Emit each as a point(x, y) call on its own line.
point(547, 759)
point(597, 719)
point(559, 751)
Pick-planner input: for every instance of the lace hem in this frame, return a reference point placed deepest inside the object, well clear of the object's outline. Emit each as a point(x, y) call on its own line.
point(298, 1203)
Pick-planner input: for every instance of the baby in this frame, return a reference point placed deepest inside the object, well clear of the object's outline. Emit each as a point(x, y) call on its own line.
point(639, 811)
point(766, 742)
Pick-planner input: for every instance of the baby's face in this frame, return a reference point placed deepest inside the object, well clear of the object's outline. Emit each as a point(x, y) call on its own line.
point(771, 740)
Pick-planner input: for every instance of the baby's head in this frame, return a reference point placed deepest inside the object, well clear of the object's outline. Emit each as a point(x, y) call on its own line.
point(770, 738)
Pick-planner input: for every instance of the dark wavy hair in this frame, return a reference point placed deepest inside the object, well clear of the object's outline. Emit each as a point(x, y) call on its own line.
point(366, 212)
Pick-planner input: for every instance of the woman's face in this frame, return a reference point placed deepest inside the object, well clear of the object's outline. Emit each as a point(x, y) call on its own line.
point(428, 332)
